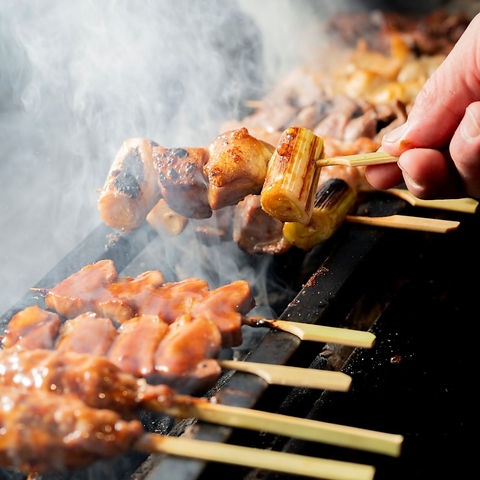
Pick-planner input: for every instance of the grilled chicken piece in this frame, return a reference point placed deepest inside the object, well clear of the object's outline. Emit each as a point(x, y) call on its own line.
point(183, 184)
point(181, 355)
point(131, 188)
point(236, 167)
point(32, 327)
point(225, 306)
point(87, 333)
point(172, 299)
point(47, 433)
point(134, 347)
point(96, 288)
point(186, 357)
point(257, 232)
point(92, 378)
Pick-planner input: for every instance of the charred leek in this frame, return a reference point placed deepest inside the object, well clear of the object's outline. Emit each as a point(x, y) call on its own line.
point(292, 175)
point(332, 203)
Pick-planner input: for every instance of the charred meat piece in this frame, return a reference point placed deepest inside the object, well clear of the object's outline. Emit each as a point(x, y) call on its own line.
point(32, 328)
point(237, 167)
point(93, 379)
point(257, 232)
point(131, 188)
point(183, 184)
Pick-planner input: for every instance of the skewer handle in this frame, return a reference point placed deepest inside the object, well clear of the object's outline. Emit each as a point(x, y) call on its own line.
point(359, 160)
point(301, 428)
point(317, 333)
point(464, 205)
point(409, 223)
point(293, 376)
point(255, 458)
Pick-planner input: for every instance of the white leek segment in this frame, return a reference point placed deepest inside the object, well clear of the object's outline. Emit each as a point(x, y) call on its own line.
point(292, 175)
point(333, 202)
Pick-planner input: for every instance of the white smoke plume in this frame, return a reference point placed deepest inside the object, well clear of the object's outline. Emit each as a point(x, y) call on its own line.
point(79, 77)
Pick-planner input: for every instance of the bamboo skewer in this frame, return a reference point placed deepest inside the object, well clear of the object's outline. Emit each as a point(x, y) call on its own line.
point(359, 160)
point(255, 458)
point(464, 205)
point(316, 333)
point(293, 376)
point(406, 222)
point(301, 428)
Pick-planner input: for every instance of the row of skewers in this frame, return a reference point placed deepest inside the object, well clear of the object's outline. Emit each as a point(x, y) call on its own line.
point(78, 401)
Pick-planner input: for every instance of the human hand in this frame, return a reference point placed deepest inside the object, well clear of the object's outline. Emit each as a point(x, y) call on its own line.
point(439, 145)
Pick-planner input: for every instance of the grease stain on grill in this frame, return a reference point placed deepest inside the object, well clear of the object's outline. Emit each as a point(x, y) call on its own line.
point(312, 281)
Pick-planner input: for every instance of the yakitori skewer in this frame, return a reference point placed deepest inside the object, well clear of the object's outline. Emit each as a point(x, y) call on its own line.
point(64, 434)
point(255, 458)
point(99, 384)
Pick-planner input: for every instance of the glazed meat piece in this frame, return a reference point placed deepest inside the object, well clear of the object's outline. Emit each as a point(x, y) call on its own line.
point(172, 299)
point(96, 288)
point(183, 184)
point(134, 347)
point(91, 378)
point(87, 333)
point(186, 357)
point(47, 433)
point(225, 306)
point(257, 232)
point(181, 355)
point(236, 167)
point(131, 188)
point(32, 327)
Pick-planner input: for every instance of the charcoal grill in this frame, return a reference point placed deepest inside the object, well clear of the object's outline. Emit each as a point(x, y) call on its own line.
point(413, 290)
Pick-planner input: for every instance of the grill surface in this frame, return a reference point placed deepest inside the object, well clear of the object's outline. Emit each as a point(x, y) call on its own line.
point(409, 288)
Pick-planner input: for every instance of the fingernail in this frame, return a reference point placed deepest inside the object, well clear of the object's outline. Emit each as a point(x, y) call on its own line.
point(470, 127)
point(395, 135)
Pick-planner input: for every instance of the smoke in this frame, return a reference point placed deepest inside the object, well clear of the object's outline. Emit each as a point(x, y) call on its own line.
point(77, 78)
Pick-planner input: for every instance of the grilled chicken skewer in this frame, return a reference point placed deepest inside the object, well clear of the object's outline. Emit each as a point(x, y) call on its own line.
point(97, 288)
point(144, 348)
point(195, 181)
point(101, 385)
point(64, 435)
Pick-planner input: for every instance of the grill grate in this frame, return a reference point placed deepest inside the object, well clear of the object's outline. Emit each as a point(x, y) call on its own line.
point(408, 288)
